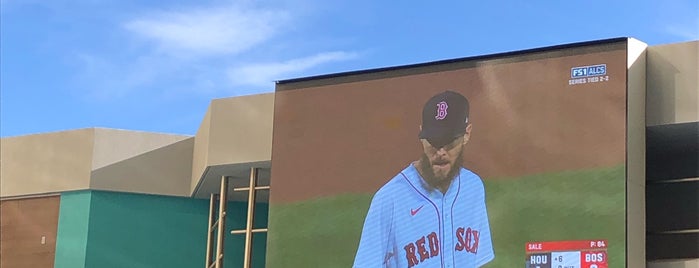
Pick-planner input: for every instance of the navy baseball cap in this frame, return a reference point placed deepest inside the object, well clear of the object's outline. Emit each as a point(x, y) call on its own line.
point(444, 118)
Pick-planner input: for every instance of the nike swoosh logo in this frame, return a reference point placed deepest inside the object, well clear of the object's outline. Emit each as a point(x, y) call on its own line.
point(414, 211)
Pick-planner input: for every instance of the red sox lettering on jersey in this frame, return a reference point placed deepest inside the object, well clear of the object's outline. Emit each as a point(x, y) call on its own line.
point(428, 246)
point(410, 226)
point(424, 248)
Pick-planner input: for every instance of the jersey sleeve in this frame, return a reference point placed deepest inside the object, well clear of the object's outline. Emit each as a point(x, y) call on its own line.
point(485, 251)
point(375, 247)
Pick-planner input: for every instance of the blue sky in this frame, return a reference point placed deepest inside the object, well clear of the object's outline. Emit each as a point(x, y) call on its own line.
point(156, 65)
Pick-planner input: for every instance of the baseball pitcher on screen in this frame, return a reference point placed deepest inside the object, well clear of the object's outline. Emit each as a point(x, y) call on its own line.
point(432, 213)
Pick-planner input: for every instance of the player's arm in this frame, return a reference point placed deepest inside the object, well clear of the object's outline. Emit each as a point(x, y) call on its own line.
point(374, 243)
point(485, 253)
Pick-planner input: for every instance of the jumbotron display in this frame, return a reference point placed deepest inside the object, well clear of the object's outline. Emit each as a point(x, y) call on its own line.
point(510, 160)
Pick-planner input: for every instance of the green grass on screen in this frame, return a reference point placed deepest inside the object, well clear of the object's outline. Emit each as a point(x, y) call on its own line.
point(575, 205)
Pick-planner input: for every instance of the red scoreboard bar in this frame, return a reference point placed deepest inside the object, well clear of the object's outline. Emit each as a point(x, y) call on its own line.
point(567, 254)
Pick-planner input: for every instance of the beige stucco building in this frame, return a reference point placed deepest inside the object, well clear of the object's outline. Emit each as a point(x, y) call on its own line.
point(54, 185)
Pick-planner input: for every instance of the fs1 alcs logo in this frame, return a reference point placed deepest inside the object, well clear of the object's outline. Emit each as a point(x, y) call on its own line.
point(585, 71)
point(588, 74)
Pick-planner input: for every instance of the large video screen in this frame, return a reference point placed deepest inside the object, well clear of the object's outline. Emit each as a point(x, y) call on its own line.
point(510, 160)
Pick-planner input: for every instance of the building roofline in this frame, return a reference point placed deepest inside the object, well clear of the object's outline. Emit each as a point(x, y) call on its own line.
point(456, 60)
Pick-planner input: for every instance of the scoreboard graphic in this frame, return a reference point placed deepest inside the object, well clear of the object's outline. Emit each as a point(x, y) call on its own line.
point(567, 254)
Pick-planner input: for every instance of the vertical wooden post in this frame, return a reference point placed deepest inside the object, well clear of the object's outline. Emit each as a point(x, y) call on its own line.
point(223, 199)
point(251, 213)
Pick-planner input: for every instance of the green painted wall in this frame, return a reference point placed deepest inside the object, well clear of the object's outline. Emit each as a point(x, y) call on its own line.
point(132, 230)
point(135, 230)
point(71, 236)
point(235, 244)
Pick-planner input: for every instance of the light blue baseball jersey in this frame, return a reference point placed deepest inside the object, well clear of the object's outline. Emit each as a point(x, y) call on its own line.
point(409, 225)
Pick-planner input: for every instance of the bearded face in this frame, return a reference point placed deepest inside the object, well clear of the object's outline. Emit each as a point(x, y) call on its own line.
point(439, 166)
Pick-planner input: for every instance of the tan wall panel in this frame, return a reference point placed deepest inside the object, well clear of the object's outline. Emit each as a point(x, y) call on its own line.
point(24, 222)
point(635, 154)
point(241, 130)
point(46, 163)
point(164, 171)
point(201, 150)
point(673, 83)
point(114, 145)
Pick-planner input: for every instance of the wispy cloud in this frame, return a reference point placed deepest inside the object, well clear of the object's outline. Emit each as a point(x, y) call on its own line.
point(209, 31)
point(686, 31)
point(679, 19)
point(106, 78)
point(213, 50)
point(264, 74)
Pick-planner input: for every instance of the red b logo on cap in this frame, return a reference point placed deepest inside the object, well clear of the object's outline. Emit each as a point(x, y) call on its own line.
point(441, 110)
